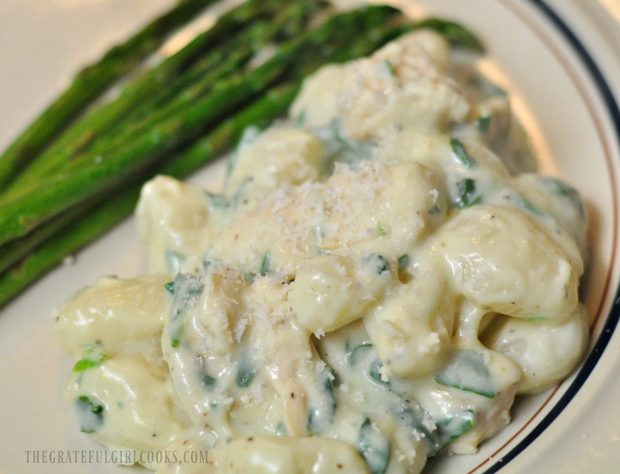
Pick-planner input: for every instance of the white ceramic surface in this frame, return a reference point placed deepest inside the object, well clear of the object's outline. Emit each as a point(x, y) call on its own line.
point(558, 96)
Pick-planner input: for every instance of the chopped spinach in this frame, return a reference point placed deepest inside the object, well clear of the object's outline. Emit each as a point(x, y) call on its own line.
point(467, 370)
point(187, 289)
point(384, 266)
point(378, 262)
point(374, 447)
point(453, 427)
point(527, 205)
point(321, 414)
point(374, 372)
point(460, 153)
point(245, 376)
point(404, 408)
point(466, 193)
point(371, 362)
point(352, 355)
point(93, 356)
point(91, 413)
point(483, 123)
point(175, 337)
point(208, 381)
point(340, 148)
point(219, 201)
point(265, 264)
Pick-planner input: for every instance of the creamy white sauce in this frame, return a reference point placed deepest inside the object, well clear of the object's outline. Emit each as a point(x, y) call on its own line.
point(373, 286)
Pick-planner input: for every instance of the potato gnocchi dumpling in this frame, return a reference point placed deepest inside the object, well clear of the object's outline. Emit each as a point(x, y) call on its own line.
point(379, 277)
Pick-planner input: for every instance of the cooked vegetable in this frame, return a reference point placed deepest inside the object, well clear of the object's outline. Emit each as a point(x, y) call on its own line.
point(208, 381)
point(436, 433)
point(466, 193)
point(187, 288)
point(89, 83)
point(15, 250)
point(322, 414)
point(374, 447)
point(90, 412)
point(92, 357)
point(265, 264)
point(378, 263)
point(460, 153)
point(467, 371)
point(245, 375)
point(453, 427)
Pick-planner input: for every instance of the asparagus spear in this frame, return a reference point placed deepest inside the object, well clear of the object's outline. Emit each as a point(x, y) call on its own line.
point(132, 157)
point(15, 250)
point(90, 83)
point(102, 118)
point(52, 252)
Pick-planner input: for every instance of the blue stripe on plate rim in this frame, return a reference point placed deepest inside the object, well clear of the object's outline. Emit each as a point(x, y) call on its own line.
point(614, 314)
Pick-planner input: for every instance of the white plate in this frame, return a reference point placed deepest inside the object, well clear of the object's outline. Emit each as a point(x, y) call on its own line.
point(559, 58)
